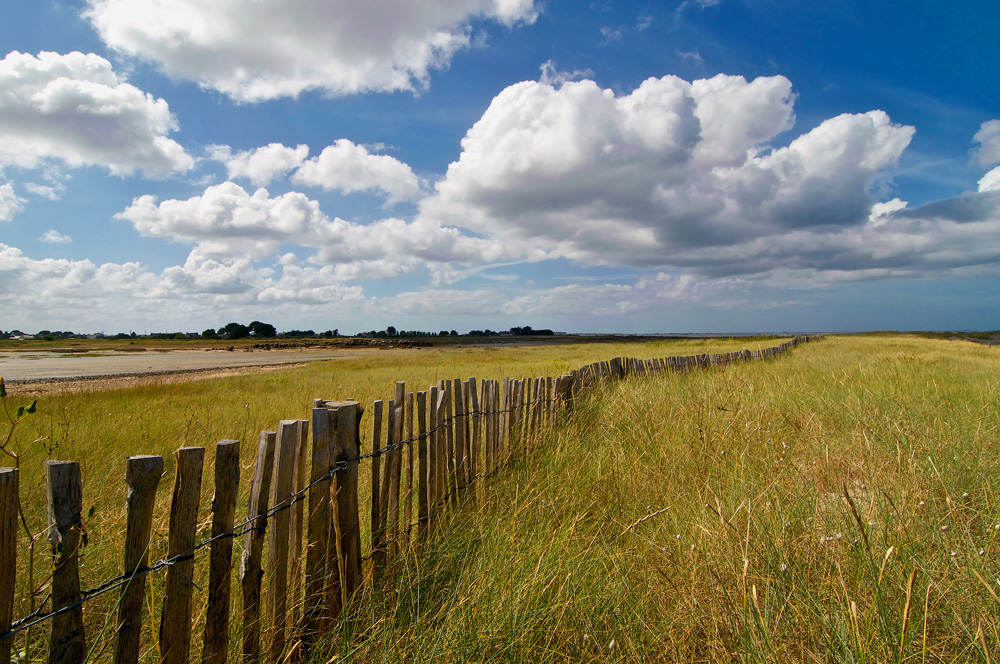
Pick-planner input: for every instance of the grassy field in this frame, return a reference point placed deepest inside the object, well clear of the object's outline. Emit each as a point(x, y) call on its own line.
point(101, 428)
point(837, 505)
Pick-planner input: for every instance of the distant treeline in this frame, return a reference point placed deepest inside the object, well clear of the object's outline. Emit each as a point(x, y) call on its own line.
point(260, 330)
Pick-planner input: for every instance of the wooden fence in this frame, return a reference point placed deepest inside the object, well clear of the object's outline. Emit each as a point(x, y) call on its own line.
point(440, 446)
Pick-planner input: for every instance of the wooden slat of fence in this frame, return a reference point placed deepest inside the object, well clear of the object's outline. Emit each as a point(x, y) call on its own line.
point(175, 620)
point(227, 485)
point(476, 438)
point(251, 574)
point(486, 405)
point(278, 533)
point(142, 475)
point(297, 524)
point(390, 483)
point(423, 470)
point(408, 493)
point(441, 411)
point(64, 501)
point(451, 494)
point(377, 522)
point(319, 567)
point(505, 406)
point(549, 401)
point(488, 419)
point(9, 496)
point(461, 429)
point(432, 457)
point(338, 423)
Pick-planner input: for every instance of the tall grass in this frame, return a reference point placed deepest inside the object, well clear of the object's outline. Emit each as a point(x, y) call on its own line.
point(101, 428)
point(838, 505)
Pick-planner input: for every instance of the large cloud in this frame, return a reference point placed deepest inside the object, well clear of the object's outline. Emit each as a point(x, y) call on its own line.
point(672, 171)
point(74, 108)
point(51, 292)
point(264, 49)
point(227, 221)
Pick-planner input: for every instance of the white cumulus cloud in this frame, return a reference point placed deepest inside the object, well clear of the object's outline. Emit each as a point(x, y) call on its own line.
point(10, 202)
point(669, 171)
point(990, 181)
point(75, 109)
point(265, 49)
point(988, 140)
point(226, 222)
point(263, 165)
point(347, 168)
point(55, 237)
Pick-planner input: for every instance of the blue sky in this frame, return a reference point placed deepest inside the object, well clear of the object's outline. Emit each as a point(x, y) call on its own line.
point(681, 166)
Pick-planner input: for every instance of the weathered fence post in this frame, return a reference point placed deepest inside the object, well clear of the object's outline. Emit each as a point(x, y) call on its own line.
point(410, 447)
point(434, 459)
point(251, 574)
point(461, 429)
point(379, 509)
point(277, 536)
point(297, 524)
point(64, 498)
point(227, 485)
point(451, 495)
point(336, 422)
point(9, 483)
point(175, 620)
point(476, 439)
point(423, 470)
point(390, 483)
point(142, 475)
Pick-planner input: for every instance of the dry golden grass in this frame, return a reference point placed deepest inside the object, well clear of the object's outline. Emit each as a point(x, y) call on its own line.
point(156, 416)
point(837, 505)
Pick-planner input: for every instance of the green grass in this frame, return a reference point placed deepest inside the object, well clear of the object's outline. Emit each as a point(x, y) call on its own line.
point(759, 555)
point(101, 428)
point(764, 512)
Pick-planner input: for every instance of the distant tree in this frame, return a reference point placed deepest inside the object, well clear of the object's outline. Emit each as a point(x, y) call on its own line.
point(209, 334)
point(443, 333)
point(234, 331)
point(390, 331)
point(453, 333)
point(262, 330)
point(298, 334)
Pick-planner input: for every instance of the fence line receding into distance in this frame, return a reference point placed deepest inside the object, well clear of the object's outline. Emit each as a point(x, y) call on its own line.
point(439, 447)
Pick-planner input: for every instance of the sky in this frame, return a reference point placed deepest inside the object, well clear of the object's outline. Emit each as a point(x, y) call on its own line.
point(634, 167)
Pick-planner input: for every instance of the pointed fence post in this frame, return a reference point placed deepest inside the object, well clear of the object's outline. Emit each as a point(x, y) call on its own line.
point(297, 524)
point(142, 475)
point(408, 494)
point(336, 423)
point(227, 486)
point(64, 498)
point(423, 470)
point(377, 524)
point(175, 620)
point(251, 574)
point(9, 483)
point(278, 535)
